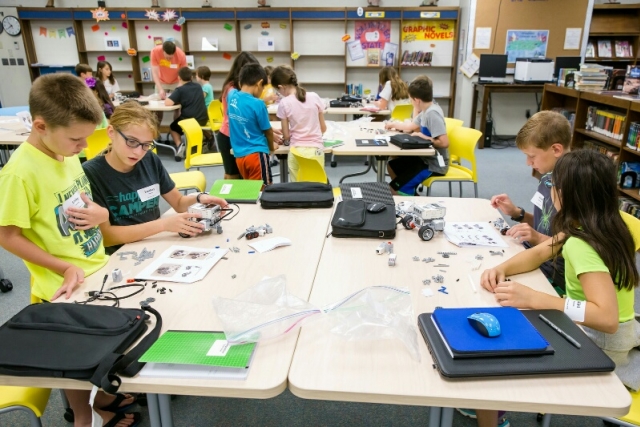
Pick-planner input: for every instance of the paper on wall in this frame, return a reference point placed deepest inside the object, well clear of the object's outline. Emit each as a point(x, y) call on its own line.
point(209, 44)
point(266, 44)
point(190, 61)
point(389, 54)
point(471, 65)
point(572, 38)
point(355, 50)
point(483, 38)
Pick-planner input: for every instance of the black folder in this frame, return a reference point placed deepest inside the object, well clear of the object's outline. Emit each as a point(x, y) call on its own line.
point(566, 359)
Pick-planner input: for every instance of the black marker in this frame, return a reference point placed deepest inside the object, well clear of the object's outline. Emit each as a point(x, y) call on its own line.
point(560, 331)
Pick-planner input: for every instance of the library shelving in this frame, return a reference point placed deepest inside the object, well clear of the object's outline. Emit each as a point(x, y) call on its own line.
point(611, 24)
point(58, 38)
point(579, 102)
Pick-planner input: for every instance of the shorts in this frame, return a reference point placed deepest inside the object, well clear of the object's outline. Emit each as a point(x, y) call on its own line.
point(410, 171)
point(228, 161)
point(255, 166)
point(311, 153)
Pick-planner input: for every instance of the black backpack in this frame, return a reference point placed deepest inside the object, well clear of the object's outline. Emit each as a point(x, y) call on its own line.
point(77, 341)
point(352, 219)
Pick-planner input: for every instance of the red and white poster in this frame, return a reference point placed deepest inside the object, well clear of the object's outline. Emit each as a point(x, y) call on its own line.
point(373, 34)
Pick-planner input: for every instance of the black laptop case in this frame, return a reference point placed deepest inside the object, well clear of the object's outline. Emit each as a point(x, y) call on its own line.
point(408, 142)
point(297, 195)
point(351, 219)
point(566, 359)
point(370, 191)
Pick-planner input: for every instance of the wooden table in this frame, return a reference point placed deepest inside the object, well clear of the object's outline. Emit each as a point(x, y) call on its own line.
point(189, 306)
point(327, 367)
point(12, 134)
point(273, 109)
point(487, 89)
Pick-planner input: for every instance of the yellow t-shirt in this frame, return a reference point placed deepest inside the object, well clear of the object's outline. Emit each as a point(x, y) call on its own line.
point(580, 257)
point(34, 186)
point(268, 90)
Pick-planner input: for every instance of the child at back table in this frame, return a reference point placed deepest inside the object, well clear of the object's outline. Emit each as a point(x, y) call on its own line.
point(59, 244)
point(251, 133)
point(302, 117)
point(203, 74)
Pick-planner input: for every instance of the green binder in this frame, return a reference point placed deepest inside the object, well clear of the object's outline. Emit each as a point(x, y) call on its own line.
point(237, 190)
point(191, 348)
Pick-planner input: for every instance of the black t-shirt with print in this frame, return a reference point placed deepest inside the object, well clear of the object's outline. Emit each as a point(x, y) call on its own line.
point(191, 100)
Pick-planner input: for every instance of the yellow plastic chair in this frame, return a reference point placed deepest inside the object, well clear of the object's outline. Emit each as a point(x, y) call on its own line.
point(462, 143)
point(310, 169)
point(192, 180)
point(97, 142)
point(215, 115)
point(452, 124)
point(32, 400)
point(402, 112)
point(193, 157)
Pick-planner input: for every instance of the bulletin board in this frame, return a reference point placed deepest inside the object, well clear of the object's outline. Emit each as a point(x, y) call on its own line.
point(552, 15)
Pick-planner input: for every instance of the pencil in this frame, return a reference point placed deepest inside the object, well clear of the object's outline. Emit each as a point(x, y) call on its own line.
point(562, 333)
point(473, 286)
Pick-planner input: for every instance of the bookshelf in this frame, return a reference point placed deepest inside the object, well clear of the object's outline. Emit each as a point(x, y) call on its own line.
point(555, 97)
point(323, 65)
point(612, 24)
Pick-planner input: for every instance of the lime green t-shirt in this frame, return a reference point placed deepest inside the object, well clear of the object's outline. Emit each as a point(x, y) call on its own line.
point(580, 257)
point(34, 186)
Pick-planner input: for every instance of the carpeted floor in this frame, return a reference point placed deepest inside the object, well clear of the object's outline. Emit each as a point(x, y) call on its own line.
point(499, 171)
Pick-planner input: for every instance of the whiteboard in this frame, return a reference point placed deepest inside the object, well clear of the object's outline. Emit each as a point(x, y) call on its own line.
point(54, 50)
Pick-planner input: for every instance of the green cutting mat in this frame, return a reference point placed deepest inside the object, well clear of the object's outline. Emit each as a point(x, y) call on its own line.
point(191, 347)
point(333, 143)
point(241, 189)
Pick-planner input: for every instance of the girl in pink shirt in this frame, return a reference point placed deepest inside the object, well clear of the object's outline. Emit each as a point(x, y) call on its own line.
point(302, 117)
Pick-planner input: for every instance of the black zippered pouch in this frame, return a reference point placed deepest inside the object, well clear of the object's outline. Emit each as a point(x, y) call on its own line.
point(297, 195)
point(408, 142)
point(351, 219)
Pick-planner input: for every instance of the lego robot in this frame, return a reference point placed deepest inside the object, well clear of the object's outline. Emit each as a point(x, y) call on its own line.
point(427, 218)
point(254, 232)
point(211, 215)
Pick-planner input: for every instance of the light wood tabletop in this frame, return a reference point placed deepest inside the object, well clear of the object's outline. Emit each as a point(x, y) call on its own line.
point(327, 367)
point(189, 306)
point(12, 131)
point(154, 105)
point(273, 109)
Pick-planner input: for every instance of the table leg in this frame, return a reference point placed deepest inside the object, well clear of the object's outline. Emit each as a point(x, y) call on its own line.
point(284, 167)
point(434, 416)
point(164, 402)
point(446, 417)
point(381, 162)
point(486, 93)
point(370, 161)
point(474, 107)
point(546, 420)
point(154, 411)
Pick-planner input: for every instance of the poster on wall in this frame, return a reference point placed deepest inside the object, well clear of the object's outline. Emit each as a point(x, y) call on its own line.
point(526, 44)
point(373, 34)
point(428, 30)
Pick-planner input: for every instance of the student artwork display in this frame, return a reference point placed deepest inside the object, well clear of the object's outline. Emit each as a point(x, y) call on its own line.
point(100, 14)
point(112, 43)
point(526, 44)
point(152, 15)
point(373, 57)
point(428, 30)
point(57, 32)
point(373, 34)
point(355, 50)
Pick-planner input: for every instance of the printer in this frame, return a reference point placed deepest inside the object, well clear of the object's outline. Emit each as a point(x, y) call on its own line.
point(533, 70)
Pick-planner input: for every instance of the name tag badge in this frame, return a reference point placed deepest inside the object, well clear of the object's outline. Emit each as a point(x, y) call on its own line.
point(73, 201)
point(149, 192)
point(174, 65)
point(440, 160)
point(538, 200)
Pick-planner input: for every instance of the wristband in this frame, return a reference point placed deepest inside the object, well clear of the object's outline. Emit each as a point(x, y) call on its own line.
point(575, 309)
point(198, 197)
point(520, 217)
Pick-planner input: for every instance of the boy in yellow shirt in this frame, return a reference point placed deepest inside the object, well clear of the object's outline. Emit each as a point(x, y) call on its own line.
point(47, 217)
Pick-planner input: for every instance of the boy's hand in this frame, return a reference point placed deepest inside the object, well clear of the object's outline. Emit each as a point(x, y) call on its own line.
point(88, 217)
point(491, 277)
point(213, 200)
point(421, 135)
point(504, 203)
point(73, 277)
point(514, 294)
point(277, 136)
point(180, 223)
point(389, 126)
point(525, 233)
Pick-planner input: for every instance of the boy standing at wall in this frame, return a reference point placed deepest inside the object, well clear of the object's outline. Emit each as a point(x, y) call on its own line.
point(251, 133)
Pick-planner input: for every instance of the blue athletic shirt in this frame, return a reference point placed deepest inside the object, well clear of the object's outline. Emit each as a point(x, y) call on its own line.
point(248, 120)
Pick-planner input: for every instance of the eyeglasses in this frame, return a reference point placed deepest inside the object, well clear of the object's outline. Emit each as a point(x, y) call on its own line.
point(134, 143)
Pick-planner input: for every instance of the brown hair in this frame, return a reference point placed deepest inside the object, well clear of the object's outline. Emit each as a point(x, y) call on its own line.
point(185, 74)
point(101, 93)
point(203, 72)
point(169, 47)
point(234, 73)
point(269, 69)
point(544, 129)
point(61, 99)
point(83, 68)
point(398, 86)
point(286, 76)
point(422, 89)
point(131, 113)
point(101, 65)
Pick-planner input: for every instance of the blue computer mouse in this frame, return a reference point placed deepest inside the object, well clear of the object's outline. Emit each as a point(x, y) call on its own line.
point(486, 324)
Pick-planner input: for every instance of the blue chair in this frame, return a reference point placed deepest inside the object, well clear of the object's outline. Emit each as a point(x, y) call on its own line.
point(12, 111)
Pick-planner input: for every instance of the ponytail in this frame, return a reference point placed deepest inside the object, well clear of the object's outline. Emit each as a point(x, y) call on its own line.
point(286, 76)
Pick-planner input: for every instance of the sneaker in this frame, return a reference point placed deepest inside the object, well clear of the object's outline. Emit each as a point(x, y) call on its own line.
point(503, 422)
point(470, 413)
point(274, 162)
point(181, 150)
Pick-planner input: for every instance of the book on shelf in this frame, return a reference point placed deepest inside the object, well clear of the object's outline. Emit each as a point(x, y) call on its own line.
point(607, 150)
point(631, 80)
point(566, 77)
point(633, 139)
point(569, 114)
point(604, 48)
point(629, 175)
point(591, 50)
point(630, 206)
point(623, 49)
point(605, 122)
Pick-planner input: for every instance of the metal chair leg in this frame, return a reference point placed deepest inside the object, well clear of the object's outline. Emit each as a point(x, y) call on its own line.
point(450, 191)
point(475, 188)
point(460, 184)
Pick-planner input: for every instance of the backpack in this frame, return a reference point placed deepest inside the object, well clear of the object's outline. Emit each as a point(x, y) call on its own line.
point(77, 341)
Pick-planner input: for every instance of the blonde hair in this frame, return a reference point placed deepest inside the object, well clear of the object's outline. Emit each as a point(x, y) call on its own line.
point(62, 99)
point(399, 88)
point(544, 129)
point(133, 114)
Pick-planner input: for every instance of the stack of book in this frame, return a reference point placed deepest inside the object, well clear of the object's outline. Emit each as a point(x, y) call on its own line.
point(605, 122)
point(630, 206)
point(607, 150)
point(417, 59)
point(592, 77)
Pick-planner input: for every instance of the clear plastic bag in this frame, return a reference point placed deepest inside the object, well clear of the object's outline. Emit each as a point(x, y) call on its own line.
point(335, 131)
point(267, 310)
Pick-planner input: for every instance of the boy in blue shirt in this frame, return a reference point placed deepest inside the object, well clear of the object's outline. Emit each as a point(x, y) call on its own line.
point(250, 130)
point(203, 74)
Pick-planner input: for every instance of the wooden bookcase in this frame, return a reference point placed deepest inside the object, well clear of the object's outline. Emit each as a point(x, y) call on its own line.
point(579, 101)
point(615, 22)
point(323, 65)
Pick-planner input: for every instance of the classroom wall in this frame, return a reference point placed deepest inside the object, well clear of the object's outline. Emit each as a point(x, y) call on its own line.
point(14, 79)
